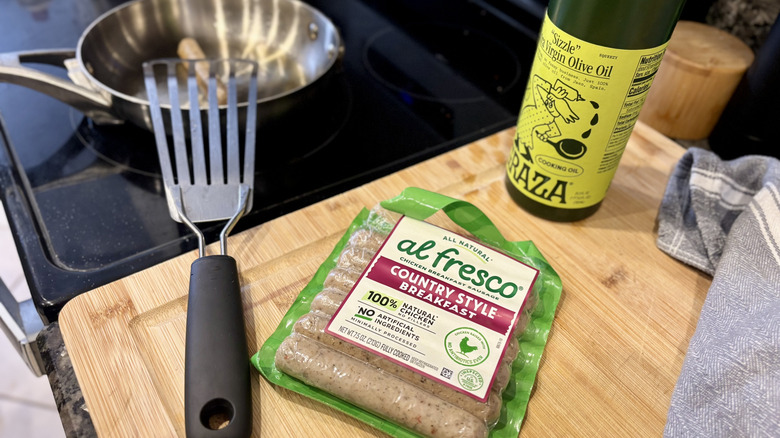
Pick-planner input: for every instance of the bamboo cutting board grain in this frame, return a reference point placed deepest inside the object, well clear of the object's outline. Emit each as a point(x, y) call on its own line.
point(624, 321)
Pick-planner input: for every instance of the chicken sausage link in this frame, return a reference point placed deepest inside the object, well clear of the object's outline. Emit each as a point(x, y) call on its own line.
point(355, 258)
point(328, 301)
point(342, 279)
point(313, 327)
point(368, 239)
point(374, 390)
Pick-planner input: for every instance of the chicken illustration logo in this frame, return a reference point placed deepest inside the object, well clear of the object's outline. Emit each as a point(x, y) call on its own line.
point(552, 116)
point(465, 348)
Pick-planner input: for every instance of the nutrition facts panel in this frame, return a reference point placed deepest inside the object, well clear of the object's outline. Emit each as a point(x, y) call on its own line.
point(646, 69)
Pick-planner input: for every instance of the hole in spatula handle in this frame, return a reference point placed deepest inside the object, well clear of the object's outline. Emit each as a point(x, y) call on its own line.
point(217, 414)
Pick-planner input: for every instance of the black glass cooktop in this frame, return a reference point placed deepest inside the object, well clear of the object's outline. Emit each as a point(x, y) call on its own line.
point(86, 204)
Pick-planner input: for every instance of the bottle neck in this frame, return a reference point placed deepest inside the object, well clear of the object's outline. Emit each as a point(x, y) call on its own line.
point(622, 24)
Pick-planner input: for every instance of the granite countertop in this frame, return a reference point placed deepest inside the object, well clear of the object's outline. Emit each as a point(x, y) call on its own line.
point(748, 20)
point(67, 394)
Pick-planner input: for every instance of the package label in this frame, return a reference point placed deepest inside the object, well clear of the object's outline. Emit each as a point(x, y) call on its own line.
point(437, 303)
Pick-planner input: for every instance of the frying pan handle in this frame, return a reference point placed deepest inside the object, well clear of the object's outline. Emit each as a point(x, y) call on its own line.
point(91, 103)
point(216, 363)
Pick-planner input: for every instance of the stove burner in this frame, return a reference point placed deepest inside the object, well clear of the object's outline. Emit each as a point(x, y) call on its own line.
point(421, 61)
point(126, 147)
point(307, 130)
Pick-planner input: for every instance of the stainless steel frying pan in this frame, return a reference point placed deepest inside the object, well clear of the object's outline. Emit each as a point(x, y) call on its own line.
point(294, 44)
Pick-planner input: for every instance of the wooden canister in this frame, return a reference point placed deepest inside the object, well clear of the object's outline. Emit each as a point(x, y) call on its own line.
point(700, 70)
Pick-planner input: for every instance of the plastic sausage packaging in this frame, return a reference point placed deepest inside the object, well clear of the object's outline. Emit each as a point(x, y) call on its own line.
point(420, 329)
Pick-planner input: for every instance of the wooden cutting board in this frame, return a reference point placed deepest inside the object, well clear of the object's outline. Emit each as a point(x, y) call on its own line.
point(624, 321)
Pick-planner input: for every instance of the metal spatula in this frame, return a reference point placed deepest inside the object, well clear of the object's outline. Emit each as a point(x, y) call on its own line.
point(217, 380)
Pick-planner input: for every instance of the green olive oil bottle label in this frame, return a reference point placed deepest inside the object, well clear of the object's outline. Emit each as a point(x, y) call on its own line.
point(580, 106)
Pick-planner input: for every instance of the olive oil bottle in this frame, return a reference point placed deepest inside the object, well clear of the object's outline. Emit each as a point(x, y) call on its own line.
point(593, 67)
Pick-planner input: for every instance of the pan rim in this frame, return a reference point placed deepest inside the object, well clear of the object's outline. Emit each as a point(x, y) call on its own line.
point(338, 48)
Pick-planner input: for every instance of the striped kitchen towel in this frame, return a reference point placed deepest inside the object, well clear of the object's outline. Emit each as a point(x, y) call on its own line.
point(723, 217)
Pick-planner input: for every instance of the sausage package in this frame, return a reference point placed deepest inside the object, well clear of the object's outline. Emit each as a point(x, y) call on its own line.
point(420, 329)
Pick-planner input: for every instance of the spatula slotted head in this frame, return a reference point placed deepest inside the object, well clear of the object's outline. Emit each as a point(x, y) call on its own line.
point(204, 165)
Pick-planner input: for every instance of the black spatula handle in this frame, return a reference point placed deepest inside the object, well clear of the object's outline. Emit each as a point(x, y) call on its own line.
point(216, 370)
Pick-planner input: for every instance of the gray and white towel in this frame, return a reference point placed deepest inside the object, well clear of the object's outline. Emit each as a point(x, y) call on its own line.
point(723, 217)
